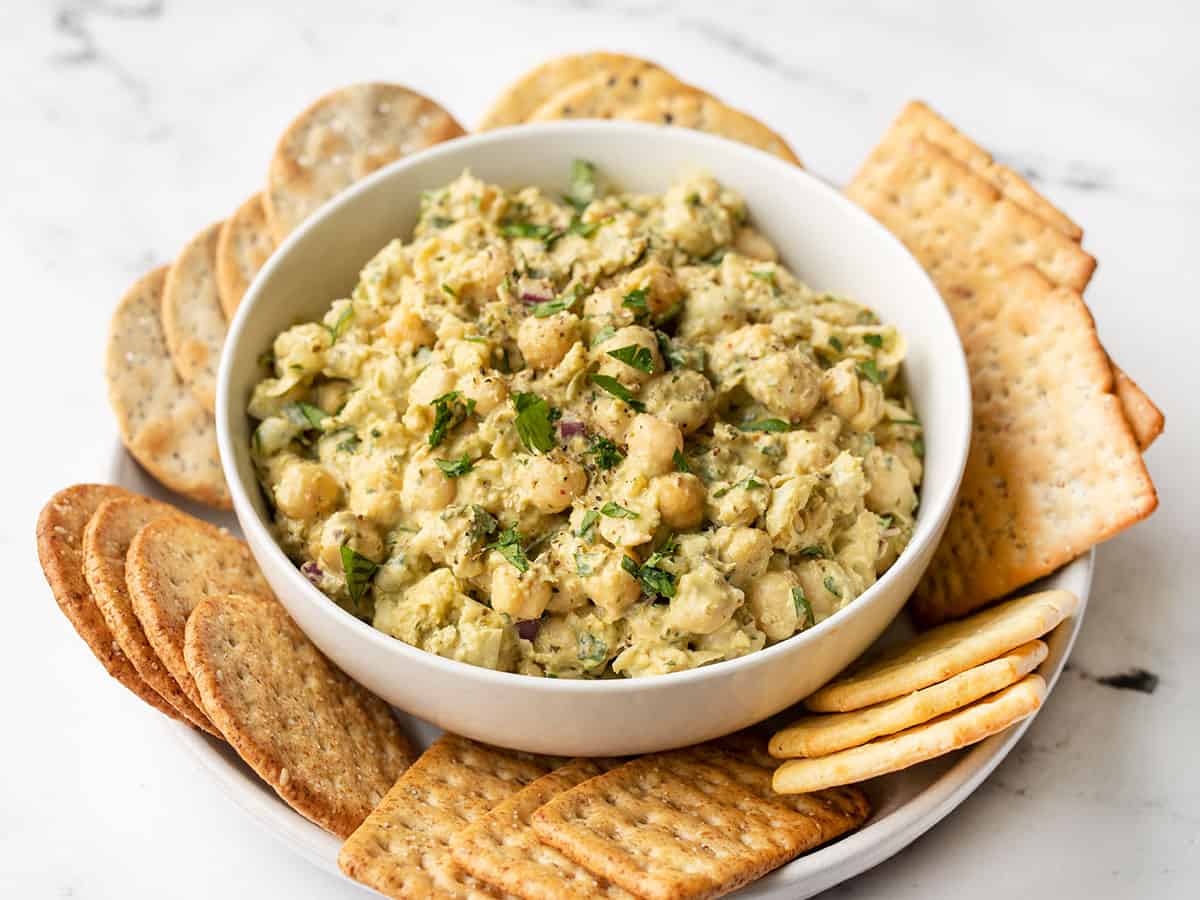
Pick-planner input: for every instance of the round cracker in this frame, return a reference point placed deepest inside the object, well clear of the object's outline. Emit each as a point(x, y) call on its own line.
point(175, 562)
point(655, 96)
point(193, 321)
point(519, 100)
point(944, 651)
point(161, 422)
point(342, 137)
point(60, 529)
point(328, 747)
point(243, 247)
point(821, 735)
point(945, 734)
point(106, 543)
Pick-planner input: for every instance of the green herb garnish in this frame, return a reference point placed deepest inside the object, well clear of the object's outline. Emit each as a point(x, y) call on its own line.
point(440, 222)
point(359, 570)
point(681, 463)
point(449, 411)
point(635, 355)
point(636, 300)
point(714, 258)
point(533, 422)
point(835, 343)
point(773, 426)
point(748, 484)
point(603, 335)
point(885, 521)
point(449, 291)
point(589, 522)
point(605, 453)
point(870, 371)
point(616, 511)
point(813, 552)
point(804, 610)
point(483, 523)
point(874, 340)
point(350, 444)
point(526, 230)
point(831, 586)
point(581, 189)
point(583, 565)
point(455, 468)
point(508, 545)
point(655, 581)
point(584, 229)
point(305, 415)
point(618, 390)
point(339, 327)
point(591, 648)
point(918, 447)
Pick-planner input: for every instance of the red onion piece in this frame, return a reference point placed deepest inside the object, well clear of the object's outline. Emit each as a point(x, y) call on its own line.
point(535, 290)
point(312, 572)
point(528, 629)
point(568, 429)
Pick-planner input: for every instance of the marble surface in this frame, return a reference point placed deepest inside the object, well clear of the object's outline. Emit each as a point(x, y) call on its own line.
point(129, 124)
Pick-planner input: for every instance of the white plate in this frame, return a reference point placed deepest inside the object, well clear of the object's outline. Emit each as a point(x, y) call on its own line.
point(906, 804)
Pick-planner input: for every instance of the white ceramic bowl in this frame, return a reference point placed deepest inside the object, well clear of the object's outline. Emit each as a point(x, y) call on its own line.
point(826, 240)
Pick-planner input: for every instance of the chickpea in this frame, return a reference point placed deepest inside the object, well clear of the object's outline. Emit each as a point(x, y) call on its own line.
point(611, 588)
point(301, 350)
point(434, 381)
point(685, 398)
point(425, 487)
point(816, 578)
point(662, 290)
point(484, 273)
point(857, 401)
point(406, 329)
point(305, 490)
point(544, 342)
point(785, 382)
point(346, 529)
point(607, 304)
point(331, 396)
point(889, 489)
point(680, 500)
point(749, 242)
point(487, 391)
point(748, 550)
point(653, 444)
point(522, 595)
point(709, 311)
point(704, 600)
point(770, 600)
point(631, 336)
point(551, 483)
point(611, 416)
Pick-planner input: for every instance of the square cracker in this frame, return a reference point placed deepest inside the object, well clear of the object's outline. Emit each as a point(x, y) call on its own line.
point(503, 849)
point(691, 823)
point(1053, 467)
point(402, 849)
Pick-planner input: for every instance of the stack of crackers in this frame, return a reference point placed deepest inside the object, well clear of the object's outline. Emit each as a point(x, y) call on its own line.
point(950, 687)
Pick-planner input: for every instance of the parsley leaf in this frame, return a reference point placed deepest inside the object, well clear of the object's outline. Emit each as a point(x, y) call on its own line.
point(804, 610)
point(440, 222)
point(615, 511)
point(358, 570)
point(836, 343)
point(771, 425)
point(618, 390)
point(525, 230)
point(533, 422)
point(870, 371)
point(584, 229)
point(339, 327)
point(813, 552)
point(748, 484)
point(588, 523)
point(681, 463)
point(583, 564)
point(655, 581)
point(603, 335)
point(550, 307)
point(635, 355)
point(831, 586)
point(885, 521)
point(636, 300)
point(714, 258)
point(455, 468)
point(591, 648)
point(874, 340)
point(449, 291)
point(483, 524)
point(606, 453)
point(306, 415)
point(903, 422)
point(508, 545)
point(581, 190)
point(918, 447)
point(448, 412)
point(350, 444)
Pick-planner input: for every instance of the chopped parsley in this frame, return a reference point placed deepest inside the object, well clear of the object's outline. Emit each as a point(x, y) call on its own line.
point(770, 425)
point(681, 463)
point(831, 586)
point(526, 230)
point(305, 415)
point(449, 411)
point(874, 340)
point(885, 521)
point(672, 357)
point(508, 545)
point(804, 610)
point(581, 189)
point(813, 552)
point(748, 484)
point(549, 307)
point(635, 355)
point(455, 468)
point(603, 335)
point(636, 300)
point(440, 222)
point(483, 523)
point(655, 581)
point(585, 229)
point(339, 327)
point(904, 422)
point(534, 424)
point(359, 571)
point(588, 523)
point(449, 290)
point(714, 258)
point(350, 444)
point(870, 371)
point(605, 453)
point(583, 564)
point(616, 511)
point(836, 343)
point(918, 447)
point(618, 390)
point(591, 648)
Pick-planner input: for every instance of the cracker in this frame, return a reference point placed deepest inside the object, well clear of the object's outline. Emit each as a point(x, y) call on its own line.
point(342, 137)
point(919, 121)
point(60, 528)
point(106, 543)
point(821, 735)
point(161, 422)
point(503, 850)
point(175, 562)
point(944, 734)
point(329, 748)
point(243, 247)
point(655, 96)
point(517, 102)
point(944, 651)
point(691, 823)
point(403, 848)
point(193, 321)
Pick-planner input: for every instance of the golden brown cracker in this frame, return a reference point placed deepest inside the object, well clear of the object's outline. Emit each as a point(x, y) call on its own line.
point(161, 422)
point(944, 734)
point(329, 748)
point(704, 113)
point(243, 247)
point(193, 321)
point(1145, 419)
point(173, 563)
point(106, 543)
point(503, 850)
point(941, 652)
point(60, 529)
point(342, 137)
point(691, 823)
point(403, 850)
point(819, 735)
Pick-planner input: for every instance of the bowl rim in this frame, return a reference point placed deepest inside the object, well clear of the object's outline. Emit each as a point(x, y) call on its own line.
point(257, 533)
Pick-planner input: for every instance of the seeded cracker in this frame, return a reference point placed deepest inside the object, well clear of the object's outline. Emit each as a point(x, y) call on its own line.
point(503, 849)
point(106, 543)
point(924, 742)
point(243, 247)
point(175, 562)
point(944, 651)
point(328, 747)
point(342, 137)
point(403, 848)
point(161, 422)
point(193, 321)
point(820, 735)
point(60, 529)
point(692, 823)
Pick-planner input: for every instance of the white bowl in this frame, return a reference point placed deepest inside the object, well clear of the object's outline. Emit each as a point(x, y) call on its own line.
point(824, 238)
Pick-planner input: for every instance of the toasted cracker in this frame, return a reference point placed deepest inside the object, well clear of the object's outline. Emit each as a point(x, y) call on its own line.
point(823, 734)
point(106, 543)
point(193, 321)
point(161, 422)
point(342, 137)
point(503, 850)
point(403, 848)
point(518, 101)
point(1145, 419)
point(329, 748)
point(175, 562)
point(60, 528)
point(656, 96)
point(944, 651)
point(944, 734)
point(691, 823)
point(243, 247)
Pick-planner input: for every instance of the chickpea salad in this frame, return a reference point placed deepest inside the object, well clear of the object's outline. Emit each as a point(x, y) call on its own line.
point(595, 435)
